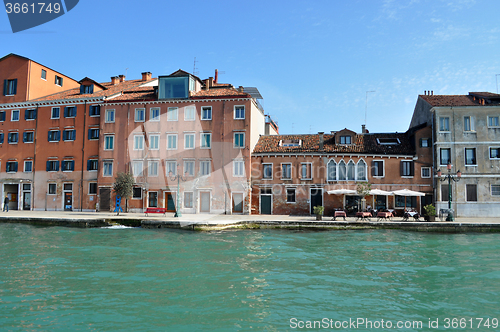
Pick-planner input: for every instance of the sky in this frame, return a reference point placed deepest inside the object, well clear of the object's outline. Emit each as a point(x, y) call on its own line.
point(319, 65)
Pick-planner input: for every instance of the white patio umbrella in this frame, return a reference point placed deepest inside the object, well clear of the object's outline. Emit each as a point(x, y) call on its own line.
point(380, 192)
point(407, 192)
point(341, 192)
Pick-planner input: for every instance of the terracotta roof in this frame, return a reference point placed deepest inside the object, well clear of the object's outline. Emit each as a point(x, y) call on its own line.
point(472, 99)
point(220, 92)
point(136, 94)
point(366, 143)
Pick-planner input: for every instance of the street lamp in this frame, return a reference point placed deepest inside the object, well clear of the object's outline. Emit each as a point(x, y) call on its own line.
point(177, 177)
point(450, 177)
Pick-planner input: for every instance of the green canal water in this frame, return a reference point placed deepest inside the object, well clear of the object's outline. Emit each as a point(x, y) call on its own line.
point(66, 279)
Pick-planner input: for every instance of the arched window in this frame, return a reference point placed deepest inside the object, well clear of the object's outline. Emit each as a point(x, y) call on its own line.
point(342, 171)
point(350, 171)
point(332, 171)
point(361, 170)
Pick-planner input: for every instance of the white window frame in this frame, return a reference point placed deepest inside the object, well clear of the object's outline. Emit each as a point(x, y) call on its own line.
point(52, 113)
point(48, 188)
point(153, 118)
point(17, 141)
point(439, 124)
point(12, 115)
point(422, 172)
point(465, 157)
point(41, 75)
point(238, 168)
point(186, 168)
point(328, 173)
point(203, 118)
point(109, 162)
point(449, 149)
point(191, 109)
point(204, 166)
point(234, 140)
point(472, 126)
point(96, 187)
point(365, 170)
point(192, 200)
point(383, 169)
point(264, 171)
point(492, 117)
point(154, 142)
point(491, 190)
point(282, 173)
point(138, 142)
point(168, 164)
point(173, 114)
point(239, 117)
point(107, 116)
point(294, 195)
point(112, 137)
point(137, 168)
point(24, 169)
point(150, 163)
point(29, 142)
point(186, 141)
point(172, 138)
point(202, 141)
point(489, 152)
point(302, 173)
point(137, 112)
point(140, 190)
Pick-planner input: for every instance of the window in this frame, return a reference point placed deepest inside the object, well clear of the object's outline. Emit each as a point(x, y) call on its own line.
point(136, 168)
point(445, 193)
point(70, 111)
point(188, 200)
point(239, 112)
point(206, 113)
point(471, 190)
point(205, 167)
point(13, 138)
point(238, 168)
point(153, 167)
point(331, 171)
point(44, 74)
point(68, 165)
point(407, 168)
point(206, 140)
point(137, 193)
point(189, 168)
point(55, 113)
point(28, 137)
point(361, 171)
point(188, 141)
point(170, 87)
point(305, 171)
point(1, 138)
point(30, 114)
point(171, 141)
point(86, 89)
point(425, 142)
point(286, 171)
point(109, 142)
point(444, 124)
point(92, 188)
point(378, 168)
point(154, 142)
point(345, 139)
point(154, 114)
point(110, 116)
point(28, 166)
point(93, 133)
point(54, 135)
point(2, 116)
point(239, 140)
point(69, 135)
point(268, 171)
point(138, 142)
point(189, 112)
point(107, 168)
point(95, 110)
point(426, 172)
point(350, 171)
point(52, 189)
point(388, 141)
point(342, 171)
point(494, 153)
point(59, 80)
point(290, 195)
point(139, 114)
point(172, 114)
point(470, 156)
point(408, 201)
point(495, 190)
point(469, 123)
point(445, 156)
point(171, 168)
point(493, 122)
point(92, 164)
point(52, 165)
point(14, 115)
point(9, 87)
point(11, 167)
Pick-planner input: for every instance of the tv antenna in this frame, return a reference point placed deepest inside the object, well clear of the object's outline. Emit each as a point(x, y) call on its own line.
point(366, 103)
point(195, 70)
point(496, 78)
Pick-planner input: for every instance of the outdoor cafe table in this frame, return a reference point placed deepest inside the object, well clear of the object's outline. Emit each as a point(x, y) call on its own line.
point(339, 214)
point(385, 215)
point(363, 215)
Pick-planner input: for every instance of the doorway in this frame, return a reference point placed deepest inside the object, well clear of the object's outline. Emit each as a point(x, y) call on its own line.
point(26, 196)
point(68, 196)
point(104, 199)
point(205, 202)
point(170, 205)
point(316, 198)
point(11, 191)
point(153, 199)
point(237, 203)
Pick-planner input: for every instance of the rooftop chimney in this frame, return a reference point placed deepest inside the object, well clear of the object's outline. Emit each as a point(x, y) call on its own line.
point(321, 140)
point(216, 76)
point(146, 76)
point(122, 78)
point(363, 129)
point(240, 89)
point(115, 80)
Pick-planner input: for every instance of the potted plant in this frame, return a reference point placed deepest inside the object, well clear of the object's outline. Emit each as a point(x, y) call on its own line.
point(318, 211)
point(363, 190)
point(430, 212)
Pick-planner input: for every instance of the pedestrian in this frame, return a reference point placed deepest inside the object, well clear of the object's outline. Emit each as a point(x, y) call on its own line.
point(6, 204)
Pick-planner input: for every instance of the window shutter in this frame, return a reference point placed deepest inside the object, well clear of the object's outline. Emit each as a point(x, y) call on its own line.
point(15, 166)
point(401, 168)
point(25, 137)
point(57, 165)
point(58, 135)
point(25, 114)
point(4, 87)
point(72, 165)
point(82, 88)
point(92, 88)
point(61, 81)
point(73, 135)
point(48, 165)
point(88, 165)
point(374, 172)
point(412, 168)
point(15, 89)
point(48, 136)
point(34, 114)
point(90, 131)
point(1, 138)
point(2, 116)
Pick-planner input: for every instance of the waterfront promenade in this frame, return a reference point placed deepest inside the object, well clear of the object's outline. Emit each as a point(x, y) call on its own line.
point(217, 222)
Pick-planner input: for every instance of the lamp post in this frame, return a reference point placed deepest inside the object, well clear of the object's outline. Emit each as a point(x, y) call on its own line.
point(450, 177)
point(177, 177)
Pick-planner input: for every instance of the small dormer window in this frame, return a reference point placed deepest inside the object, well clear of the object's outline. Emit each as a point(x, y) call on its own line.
point(388, 141)
point(175, 87)
point(86, 89)
point(345, 140)
point(290, 142)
